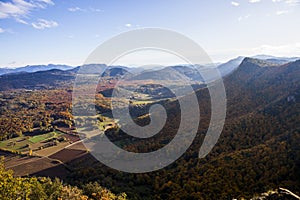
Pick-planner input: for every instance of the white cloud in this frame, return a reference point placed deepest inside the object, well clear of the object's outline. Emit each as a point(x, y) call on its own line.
point(21, 8)
point(282, 12)
point(42, 24)
point(96, 10)
point(234, 3)
point(254, 1)
point(21, 21)
point(128, 25)
point(288, 2)
point(280, 50)
point(74, 9)
point(2, 30)
point(47, 1)
point(292, 1)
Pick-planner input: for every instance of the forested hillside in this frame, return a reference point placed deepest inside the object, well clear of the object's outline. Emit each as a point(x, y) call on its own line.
point(257, 151)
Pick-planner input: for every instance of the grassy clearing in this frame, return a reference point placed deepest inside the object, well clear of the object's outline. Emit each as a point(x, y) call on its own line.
point(142, 102)
point(15, 144)
point(40, 138)
point(23, 143)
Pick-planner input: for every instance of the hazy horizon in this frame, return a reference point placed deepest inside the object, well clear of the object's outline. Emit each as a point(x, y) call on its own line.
point(133, 65)
point(66, 32)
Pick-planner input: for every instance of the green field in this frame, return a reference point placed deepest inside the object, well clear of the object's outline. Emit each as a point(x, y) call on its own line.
point(15, 144)
point(142, 102)
point(22, 143)
point(43, 137)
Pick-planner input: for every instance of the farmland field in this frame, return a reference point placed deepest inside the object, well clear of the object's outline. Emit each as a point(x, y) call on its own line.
point(16, 144)
point(23, 144)
point(43, 137)
point(51, 150)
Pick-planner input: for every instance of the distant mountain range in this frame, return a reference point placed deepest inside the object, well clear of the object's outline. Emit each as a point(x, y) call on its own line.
point(45, 76)
point(36, 80)
point(193, 72)
point(277, 60)
point(34, 68)
point(225, 68)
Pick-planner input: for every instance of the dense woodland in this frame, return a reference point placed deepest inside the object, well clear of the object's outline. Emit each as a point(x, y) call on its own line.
point(255, 153)
point(25, 112)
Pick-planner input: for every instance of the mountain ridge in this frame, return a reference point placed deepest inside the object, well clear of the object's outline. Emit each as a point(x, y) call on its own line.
point(54, 77)
point(225, 67)
point(34, 68)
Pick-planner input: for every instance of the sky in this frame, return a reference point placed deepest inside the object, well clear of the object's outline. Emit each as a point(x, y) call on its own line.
point(67, 31)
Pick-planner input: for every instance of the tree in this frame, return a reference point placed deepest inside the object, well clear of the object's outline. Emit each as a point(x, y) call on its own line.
point(42, 188)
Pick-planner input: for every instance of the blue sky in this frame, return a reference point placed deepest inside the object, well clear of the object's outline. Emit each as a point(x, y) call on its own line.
point(66, 32)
